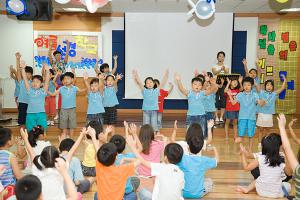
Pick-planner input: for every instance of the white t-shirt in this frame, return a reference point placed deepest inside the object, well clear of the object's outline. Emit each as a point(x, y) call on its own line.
point(185, 147)
point(40, 145)
point(219, 67)
point(169, 181)
point(52, 183)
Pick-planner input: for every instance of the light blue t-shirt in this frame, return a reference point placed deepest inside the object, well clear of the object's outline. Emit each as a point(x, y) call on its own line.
point(257, 81)
point(110, 97)
point(248, 103)
point(270, 98)
point(210, 103)
point(150, 101)
point(75, 170)
point(51, 87)
point(17, 88)
point(36, 103)
point(128, 187)
point(194, 168)
point(95, 103)
point(23, 94)
point(68, 96)
point(196, 103)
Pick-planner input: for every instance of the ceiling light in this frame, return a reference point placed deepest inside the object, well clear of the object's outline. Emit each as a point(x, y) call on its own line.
point(74, 9)
point(290, 10)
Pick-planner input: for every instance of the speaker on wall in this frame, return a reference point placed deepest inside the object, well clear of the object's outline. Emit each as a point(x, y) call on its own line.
point(39, 10)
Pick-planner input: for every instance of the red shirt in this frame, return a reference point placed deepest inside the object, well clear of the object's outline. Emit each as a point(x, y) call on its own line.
point(161, 98)
point(229, 106)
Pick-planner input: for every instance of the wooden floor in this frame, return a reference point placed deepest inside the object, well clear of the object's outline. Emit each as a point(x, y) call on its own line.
point(226, 176)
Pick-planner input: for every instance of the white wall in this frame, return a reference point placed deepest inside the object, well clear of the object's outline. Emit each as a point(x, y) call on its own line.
point(249, 24)
point(14, 36)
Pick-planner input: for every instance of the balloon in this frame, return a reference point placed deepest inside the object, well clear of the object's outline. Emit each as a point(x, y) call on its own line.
point(16, 7)
point(203, 9)
point(282, 1)
point(100, 3)
point(92, 7)
point(62, 1)
point(76, 2)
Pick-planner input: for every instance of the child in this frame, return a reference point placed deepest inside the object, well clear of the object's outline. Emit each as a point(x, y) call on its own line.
point(95, 98)
point(8, 160)
point(110, 99)
point(104, 68)
point(232, 111)
point(13, 75)
point(196, 96)
point(253, 73)
point(247, 114)
point(67, 114)
point(271, 165)
point(23, 97)
point(265, 112)
point(50, 101)
point(210, 100)
point(36, 105)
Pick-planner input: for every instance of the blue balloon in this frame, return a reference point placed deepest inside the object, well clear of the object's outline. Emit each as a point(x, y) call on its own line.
point(204, 9)
point(16, 7)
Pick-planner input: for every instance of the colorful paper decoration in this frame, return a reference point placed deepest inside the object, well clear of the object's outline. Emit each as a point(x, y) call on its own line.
point(262, 63)
point(272, 36)
point(262, 78)
point(284, 73)
point(262, 43)
point(285, 37)
point(263, 29)
point(291, 85)
point(283, 55)
point(269, 71)
point(293, 46)
point(282, 94)
point(271, 49)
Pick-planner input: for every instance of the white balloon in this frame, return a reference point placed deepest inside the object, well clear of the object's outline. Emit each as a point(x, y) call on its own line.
point(62, 1)
point(16, 6)
point(204, 10)
point(92, 8)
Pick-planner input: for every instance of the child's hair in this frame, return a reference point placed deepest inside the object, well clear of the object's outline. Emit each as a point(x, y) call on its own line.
point(29, 69)
point(146, 136)
point(97, 126)
point(5, 136)
point(52, 72)
point(47, 158)
point(107, 154)
point(156, 82)
point(110, 76)
point(174, 153)
point(237, 86)
point(66, 144)
point(298, 156)
point(269, 81)
point(67, 74)
point(94, 80)
point(28, 187)
point(253, 70)
point(56, 52)
point(194, 138)
point(197, 79)
point(119, 141)
point(210, 74)
point(201, 77)
point(103, 66)
point(38, 77)
point(220, 52)
point(248, 80)
point(149, 78)
point(34, 134)
point(270, 148)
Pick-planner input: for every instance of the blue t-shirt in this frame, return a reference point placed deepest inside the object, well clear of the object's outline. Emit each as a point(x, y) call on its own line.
point(194, 168)
point(36, 102)
point(51, 87)
point(95, 103)
point(257, 81)
point(248, 103)
point(75, 170)
point(110, 97)
point(196, 103)
point(210, 103)
point(128, 187)
point(23, 94)
point(150, 101)
point(270, 98)
point(17, 89)
point(68, 96)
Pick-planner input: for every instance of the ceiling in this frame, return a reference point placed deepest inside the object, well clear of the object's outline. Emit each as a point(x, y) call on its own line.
point(236, 6)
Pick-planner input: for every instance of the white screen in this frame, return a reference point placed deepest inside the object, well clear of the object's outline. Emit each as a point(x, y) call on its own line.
point(157, 41)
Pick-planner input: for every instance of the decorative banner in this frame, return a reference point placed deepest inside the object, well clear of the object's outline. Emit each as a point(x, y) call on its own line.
point(85, 49)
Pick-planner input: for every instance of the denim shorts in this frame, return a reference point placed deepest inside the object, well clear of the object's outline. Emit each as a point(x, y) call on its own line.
point(150, 117)
point(95, 117)
point(199, 119)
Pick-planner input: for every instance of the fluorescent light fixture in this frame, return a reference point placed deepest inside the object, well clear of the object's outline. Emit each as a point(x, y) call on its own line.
point(75, 9)
point(290, 10)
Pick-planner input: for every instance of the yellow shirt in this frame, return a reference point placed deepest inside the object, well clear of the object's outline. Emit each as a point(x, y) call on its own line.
point(89, 159)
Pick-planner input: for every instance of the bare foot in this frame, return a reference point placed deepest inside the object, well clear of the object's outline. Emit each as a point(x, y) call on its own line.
point(238, 140)
point(241, 189)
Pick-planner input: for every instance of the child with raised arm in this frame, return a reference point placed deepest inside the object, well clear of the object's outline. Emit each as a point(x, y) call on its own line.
point(104, 68)
point(196, 96)
point(36, 105)
point(248, 100)
point(13, 75)
point(253, 73)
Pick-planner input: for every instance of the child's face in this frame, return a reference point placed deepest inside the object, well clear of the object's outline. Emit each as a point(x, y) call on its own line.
point(247, 86)
point(67, 80)
point(58, 57)
point(149, 84)
point(36, 83)
point(196, 86)
point(252, 74)
point(221, 58)
point(95, 87)
point(106, 70)
point(29, 76)
point(234, 83)
point(110, 81)
point(269, 87)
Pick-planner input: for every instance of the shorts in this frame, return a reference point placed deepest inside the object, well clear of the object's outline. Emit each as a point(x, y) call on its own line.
point(220, 99)
point(199, 119)
point(246, 125)
point(264, 120)
point(50, 106)
point(67, 118)
point(95, 117)
point(210, 116)
point(34, 119)
point(88, 171)
point(22, 109)
point(110, 115)
point(231, 114)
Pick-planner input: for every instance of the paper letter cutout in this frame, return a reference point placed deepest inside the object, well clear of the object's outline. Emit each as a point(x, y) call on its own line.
point(272, 36)
point(293, 46)
point(262, 43)
point(271, 49)
point(285, 37)
point(283, 55)
point(263, 29)
point(269, 70)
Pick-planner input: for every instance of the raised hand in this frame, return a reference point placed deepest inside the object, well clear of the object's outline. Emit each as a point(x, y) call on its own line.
point(177, 77)
point(61, 166)
point(132, 129)
point(119, 76)
point(292, 122)
point(24, 134)
point(281, 120)
point(115, 57)
point(18, 56)
point(244, 61)
point(85, 76)
point(22, 64)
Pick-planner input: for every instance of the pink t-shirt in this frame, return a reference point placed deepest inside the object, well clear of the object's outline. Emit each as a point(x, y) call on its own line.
point(156, 148)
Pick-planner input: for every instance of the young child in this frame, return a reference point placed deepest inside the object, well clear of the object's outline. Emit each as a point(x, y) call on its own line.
point(110, 99)
point(50, 101)
point(8, 160)
point(253, 73)
point(265, 112)
point(196, 97)
point(104, 68)
point(232, 111)
point(271, 164)
point(247, 114)
point(23, 97)
point(13, 75)
point(67, 114)
point(95, 98)
point(36, 105)
point(210, 100)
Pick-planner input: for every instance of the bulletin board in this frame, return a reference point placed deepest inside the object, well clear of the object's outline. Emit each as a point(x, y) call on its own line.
point(85, 49)
point(278, 54)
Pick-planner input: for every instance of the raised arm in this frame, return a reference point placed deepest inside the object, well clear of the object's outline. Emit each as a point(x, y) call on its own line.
point(282, 86)
point(26, 82)
point(96, 68)
point(227, 86)
point(137, 79)
point(171, 87)
point(50, 52)
point(58, 73)
point(164, 79)
point(86, 82)
point(47, 77)
point(244, 61)
point(174, 133)
point(233, 101)
point(12, 72)
point(248, 166)
point(101, 83)
point(296, 139)
point(19, 74)
point(213, 88)
point(67, 52)
point(180, 86)
point(210, 125)
point(118, 77)
point(28, 147)
point(76, 144)
point(113, 71)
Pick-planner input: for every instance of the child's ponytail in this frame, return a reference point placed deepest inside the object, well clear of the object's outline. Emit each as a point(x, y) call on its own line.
point(47, 158)
point(34, 134)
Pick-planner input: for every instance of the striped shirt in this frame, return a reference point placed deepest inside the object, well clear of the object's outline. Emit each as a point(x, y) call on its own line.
point(297, 182)
point(7, 178)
